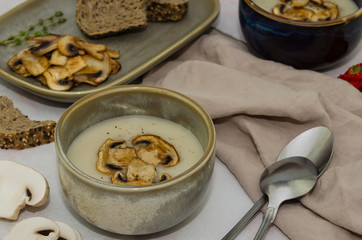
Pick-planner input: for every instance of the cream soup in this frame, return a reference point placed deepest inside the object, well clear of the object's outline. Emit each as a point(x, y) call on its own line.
point(84, 149)
point(345, 7)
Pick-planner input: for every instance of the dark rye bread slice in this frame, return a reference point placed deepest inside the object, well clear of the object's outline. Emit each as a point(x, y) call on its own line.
point(17, 131)
point(166, 10)
point(101, 18)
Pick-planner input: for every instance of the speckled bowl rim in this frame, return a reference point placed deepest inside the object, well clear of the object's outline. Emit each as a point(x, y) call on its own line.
point(209, 152)
point(337, 21)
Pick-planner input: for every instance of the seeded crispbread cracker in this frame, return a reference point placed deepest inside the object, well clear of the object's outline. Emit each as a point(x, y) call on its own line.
point(17, 131)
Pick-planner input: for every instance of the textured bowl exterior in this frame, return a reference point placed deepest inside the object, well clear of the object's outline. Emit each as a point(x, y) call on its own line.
point(135, 210)
point(304, 46)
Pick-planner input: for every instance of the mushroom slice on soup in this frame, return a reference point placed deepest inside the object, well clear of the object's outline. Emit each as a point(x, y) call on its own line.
point(136, 173)
point(333, 9)
point(154, 150)
point(297, 14)
point(113, 155)
point(300, 3)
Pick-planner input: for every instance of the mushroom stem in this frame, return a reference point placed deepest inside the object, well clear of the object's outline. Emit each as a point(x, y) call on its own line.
point(13, 198)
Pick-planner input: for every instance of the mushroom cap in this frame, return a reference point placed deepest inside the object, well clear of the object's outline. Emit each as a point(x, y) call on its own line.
point(35, 228)
point(20, 186)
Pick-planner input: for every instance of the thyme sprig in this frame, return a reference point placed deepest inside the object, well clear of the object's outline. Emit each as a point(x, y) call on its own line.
point(35, 30)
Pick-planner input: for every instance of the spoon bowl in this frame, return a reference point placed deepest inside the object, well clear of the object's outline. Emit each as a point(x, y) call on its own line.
point(284, 180)
point(316, 144)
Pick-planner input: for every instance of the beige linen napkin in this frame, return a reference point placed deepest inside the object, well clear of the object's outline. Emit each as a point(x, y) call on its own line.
point(258, 106)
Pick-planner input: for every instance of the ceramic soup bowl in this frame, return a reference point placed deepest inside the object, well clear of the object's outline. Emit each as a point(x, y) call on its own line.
point(303, 45)
point(135, 209)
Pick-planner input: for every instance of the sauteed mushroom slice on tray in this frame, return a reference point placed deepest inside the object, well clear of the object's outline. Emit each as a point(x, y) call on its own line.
point(27, 64)
point(82, 62)
point(154, 150)
point(96, 71)
point(113, 155)
point(71, 46)
point(59, 77)
point(58, 59)
point(44, 44)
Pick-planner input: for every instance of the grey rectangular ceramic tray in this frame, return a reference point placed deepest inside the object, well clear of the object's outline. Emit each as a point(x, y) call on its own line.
point(140, 51)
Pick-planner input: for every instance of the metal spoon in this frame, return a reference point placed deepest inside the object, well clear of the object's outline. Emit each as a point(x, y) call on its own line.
point(284, 180)
point(316, 144)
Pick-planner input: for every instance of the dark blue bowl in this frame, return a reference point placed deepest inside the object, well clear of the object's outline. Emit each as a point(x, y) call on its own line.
point(303, 45)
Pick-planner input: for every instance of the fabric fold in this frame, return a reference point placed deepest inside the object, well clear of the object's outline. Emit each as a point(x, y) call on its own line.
point(258, 106)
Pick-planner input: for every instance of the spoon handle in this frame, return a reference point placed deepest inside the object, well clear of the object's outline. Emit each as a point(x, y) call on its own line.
point(268, 219)
point(246, 219)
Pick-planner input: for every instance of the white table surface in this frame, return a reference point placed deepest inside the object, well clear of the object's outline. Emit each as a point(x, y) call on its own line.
point(227, 201)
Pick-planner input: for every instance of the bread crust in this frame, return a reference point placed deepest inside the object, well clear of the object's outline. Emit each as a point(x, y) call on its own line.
point(17, 131)
point(166, 10)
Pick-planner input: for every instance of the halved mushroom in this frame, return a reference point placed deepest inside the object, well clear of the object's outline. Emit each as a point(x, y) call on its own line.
point(96, 70)
point(136, 173)
point(58, 59)
point(67, 232)
point(154, 150)
point(113, 155)
point(34, 228)
point(26, 63)
point(44, 44)
point(71, 46)
point(20, 186)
